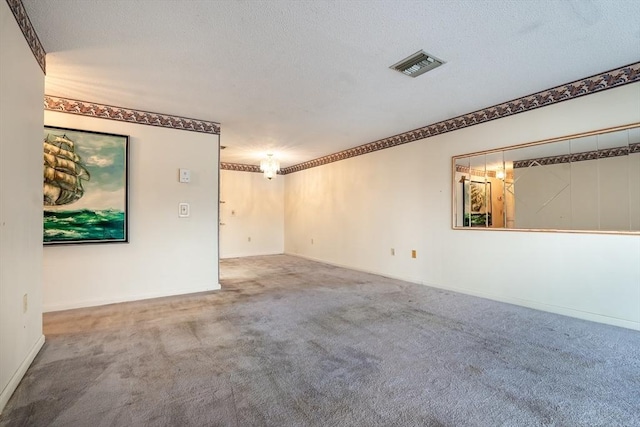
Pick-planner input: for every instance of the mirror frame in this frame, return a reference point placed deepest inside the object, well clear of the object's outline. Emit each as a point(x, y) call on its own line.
point(531, 144)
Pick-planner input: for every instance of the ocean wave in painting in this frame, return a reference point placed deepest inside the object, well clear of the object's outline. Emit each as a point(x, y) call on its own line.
point(84, 225)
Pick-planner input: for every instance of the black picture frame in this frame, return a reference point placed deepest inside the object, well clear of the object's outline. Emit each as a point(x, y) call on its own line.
point(85, 187)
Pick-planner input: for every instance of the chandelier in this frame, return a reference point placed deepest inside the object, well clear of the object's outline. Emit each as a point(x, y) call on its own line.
point(270, 166)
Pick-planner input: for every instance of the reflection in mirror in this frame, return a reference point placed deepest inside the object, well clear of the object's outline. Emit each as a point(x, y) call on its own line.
point(588, 182)
point(541, 191)
point(613, 181)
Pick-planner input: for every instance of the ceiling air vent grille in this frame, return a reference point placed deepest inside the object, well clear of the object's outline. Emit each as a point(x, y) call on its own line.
point(418, 63)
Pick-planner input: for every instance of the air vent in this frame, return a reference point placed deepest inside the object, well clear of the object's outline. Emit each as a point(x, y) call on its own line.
point(418, 63)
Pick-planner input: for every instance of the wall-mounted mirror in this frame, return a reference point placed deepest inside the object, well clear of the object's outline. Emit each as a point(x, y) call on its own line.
point(586, 182)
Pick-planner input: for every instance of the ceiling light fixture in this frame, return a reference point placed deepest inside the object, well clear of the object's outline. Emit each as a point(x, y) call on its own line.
point(418, 63)
point(270, 166)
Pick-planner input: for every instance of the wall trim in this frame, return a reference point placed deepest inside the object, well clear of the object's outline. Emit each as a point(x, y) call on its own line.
point(205, 287)
point(242, 167)
point(587, 86)
point(239, 167)
point(549, 308)
point(578, 157)
point(554, 160)
point(29, 33)
point(540, 306)
point(17, 376)
point(91, 109)
point(245, 255)
point(475, 172)
point(415, 281)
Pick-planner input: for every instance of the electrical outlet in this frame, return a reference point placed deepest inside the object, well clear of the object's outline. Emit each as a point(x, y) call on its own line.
point(312, 241)
point(185, 176)
point(414, 254)
point(25, 303)
point(393, 251)
point(248, 239)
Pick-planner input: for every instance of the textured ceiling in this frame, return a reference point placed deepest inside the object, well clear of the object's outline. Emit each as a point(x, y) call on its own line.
point(309, 78)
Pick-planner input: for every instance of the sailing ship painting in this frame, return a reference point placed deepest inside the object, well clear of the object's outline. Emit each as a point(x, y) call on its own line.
point(63, 171)
point(84, 186)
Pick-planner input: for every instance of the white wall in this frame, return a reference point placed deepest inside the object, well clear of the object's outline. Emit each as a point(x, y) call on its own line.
point(252, 214)
point(166, 255)
point(356, 210)
point(22, 88)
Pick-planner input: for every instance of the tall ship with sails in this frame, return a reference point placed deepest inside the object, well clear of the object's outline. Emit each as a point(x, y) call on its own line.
point(63, 171)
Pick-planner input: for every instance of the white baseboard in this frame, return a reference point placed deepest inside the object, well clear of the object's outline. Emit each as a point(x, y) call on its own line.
point(47, 308)
point(249, 254)
point(362, 270)
point(556, 309)
point(17, 376)
point(565, 311)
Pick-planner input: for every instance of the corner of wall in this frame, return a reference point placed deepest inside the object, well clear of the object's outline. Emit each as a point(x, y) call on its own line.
point(14, 381)
point(22, 88)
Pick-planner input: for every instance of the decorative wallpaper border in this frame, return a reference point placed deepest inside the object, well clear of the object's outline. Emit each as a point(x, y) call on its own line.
point(587, 86)
point(475, 172)
point(553, 160)
point(578, 157)
point(590, 85)
point(72, 106)
point(481, 172)
point(19, 12)
point(239, 167)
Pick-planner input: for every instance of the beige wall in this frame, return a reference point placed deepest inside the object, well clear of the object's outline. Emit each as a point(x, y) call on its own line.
point(252, 214)
point(22, 87)
point(166, 254)
point(356, 210)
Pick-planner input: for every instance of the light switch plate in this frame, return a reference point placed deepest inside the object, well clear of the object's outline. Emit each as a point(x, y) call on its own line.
point(183, 210)
point(185, 175)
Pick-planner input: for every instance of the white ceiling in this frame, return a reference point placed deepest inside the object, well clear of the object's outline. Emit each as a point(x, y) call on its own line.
point(308, 78)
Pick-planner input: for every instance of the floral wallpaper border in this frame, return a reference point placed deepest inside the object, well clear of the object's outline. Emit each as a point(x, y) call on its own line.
point(91, 109)
point(587, 86)
point(20, 13)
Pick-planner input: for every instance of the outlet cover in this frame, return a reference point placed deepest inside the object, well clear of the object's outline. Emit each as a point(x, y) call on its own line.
point(185, 176)
point(414, 254)
point(183, 210)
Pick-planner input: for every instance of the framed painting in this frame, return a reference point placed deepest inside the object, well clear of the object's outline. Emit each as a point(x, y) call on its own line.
point(477, 203)
point(85, 186)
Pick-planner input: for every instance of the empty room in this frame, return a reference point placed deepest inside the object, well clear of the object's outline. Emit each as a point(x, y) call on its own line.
point(319, 213)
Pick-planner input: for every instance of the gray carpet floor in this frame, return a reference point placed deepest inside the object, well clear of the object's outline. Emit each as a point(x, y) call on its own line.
point(290, 342)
